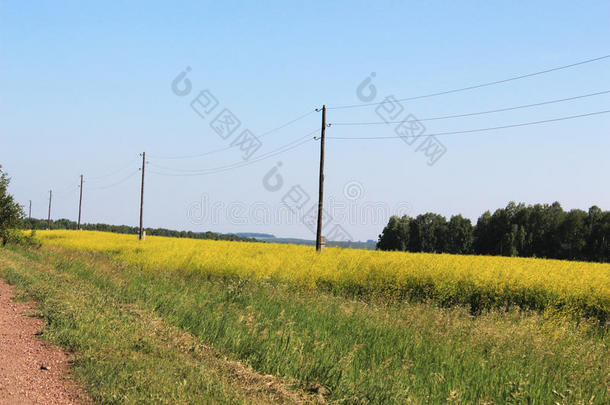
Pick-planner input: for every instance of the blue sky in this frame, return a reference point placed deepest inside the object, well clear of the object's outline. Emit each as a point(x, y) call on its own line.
point(86, 87)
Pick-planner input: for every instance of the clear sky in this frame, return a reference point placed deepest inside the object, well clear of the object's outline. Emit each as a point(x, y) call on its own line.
point(86, 87)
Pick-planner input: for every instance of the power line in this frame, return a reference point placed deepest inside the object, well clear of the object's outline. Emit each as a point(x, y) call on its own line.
point(288, 123)
point(63, 194)
point(237, 166)
point(477, 129)
point(231, 168)
point(63, 190)
point(239, 163)
point(123, 180)
point(477, 113)
point(307, 138)
point(96, 178)
point(440, 93)
point(213, 151)
point(284, 149)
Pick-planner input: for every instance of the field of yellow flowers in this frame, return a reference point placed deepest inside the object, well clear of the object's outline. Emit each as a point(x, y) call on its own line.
point(480, 282)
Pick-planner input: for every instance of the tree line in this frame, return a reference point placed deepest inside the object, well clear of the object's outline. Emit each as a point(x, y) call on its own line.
point(33, 223)
point(12, 218)
point(539, 230)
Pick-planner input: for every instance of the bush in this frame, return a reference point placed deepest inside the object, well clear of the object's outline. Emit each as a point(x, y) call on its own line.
point(18, 237)
point(10, 214)
point(32, 241)
point(12, 236)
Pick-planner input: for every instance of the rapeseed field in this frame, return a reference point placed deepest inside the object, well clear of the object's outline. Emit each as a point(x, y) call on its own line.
point(480, 282)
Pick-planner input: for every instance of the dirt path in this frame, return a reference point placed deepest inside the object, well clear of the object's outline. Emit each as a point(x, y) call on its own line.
point(31, 372)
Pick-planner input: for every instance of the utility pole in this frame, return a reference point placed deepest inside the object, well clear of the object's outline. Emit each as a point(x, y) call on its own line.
point(141, 234)
point(80, 201)
point(321, 189)
point(30, 211)
point(49, 217)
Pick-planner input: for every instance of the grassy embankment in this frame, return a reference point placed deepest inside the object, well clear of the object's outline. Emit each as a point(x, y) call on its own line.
point(143, 336)
point(126, 353)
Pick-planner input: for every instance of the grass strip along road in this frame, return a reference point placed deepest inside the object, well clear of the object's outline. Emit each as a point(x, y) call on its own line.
point(178, 337)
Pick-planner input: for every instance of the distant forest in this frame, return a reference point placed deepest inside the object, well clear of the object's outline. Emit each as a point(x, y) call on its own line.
point(540, 230)
point(32, 223)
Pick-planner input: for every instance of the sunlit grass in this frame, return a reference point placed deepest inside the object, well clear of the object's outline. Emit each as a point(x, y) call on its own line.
point(480, 282)
point(364, 351)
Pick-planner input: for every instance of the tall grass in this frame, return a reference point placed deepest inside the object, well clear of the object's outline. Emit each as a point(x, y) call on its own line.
point(371, 351)
point(480, 282)
point(124, 353)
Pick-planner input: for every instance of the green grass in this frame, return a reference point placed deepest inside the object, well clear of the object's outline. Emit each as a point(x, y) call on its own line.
point(363, 351)
point(125, 354)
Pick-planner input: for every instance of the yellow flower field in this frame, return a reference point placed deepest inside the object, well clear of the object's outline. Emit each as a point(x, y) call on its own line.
point(479, 281)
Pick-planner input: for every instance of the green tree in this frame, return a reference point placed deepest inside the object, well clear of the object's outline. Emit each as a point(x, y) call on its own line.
point(459, 235)
point(10, 212)
point(540, 230)
point(573, 235)
point(598, 235)
point(504, 231)
point(482, 235)
point(395, 235)
point(427, 233)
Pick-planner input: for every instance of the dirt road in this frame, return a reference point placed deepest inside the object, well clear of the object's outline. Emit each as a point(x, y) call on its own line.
point(31, 371)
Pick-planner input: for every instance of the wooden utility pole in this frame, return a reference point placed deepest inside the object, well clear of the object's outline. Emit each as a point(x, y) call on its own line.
point(49, 217)
point(321, 189)
point(30, 211)
point(80, 201)
point(141, 234)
